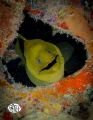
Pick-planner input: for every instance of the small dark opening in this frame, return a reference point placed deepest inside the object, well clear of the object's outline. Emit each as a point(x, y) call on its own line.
point(32, 29)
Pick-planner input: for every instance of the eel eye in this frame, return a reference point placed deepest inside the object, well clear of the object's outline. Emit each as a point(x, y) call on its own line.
point(48, 51)
point(38, 60)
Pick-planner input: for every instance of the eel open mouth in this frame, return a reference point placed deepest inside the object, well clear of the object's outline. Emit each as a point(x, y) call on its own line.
point(50, 64)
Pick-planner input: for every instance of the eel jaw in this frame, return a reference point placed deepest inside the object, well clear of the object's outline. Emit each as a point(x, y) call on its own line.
point(50, 64)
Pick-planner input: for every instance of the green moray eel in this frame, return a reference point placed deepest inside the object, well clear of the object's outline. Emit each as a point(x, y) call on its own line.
point(43, 61)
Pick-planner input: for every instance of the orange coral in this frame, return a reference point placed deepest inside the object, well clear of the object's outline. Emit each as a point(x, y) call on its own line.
point(5, 23)
point(77, 24)
point(63, 25)
point(34, 12)
point(9, 21)
point(90, 46)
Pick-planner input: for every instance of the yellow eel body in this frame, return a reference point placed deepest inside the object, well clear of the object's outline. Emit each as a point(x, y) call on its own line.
point(43, 61)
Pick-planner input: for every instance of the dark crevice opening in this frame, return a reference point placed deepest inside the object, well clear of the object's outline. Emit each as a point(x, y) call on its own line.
point(32, 29)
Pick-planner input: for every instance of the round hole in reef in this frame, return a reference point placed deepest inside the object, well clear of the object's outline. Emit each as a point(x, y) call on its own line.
point(32, 29)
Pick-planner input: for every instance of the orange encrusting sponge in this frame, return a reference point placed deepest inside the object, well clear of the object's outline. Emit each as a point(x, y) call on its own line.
point(78, 24)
